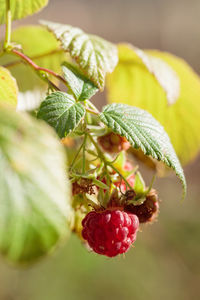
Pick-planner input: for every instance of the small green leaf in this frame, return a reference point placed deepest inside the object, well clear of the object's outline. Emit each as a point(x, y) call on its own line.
point(81, 87)
point(8, 87)
point(35, 198)
point(144, 132)
point(94, 55)
point(21, 9)
point(100, 184)
point(62, 112)
point(139, 186)
point(120, 162)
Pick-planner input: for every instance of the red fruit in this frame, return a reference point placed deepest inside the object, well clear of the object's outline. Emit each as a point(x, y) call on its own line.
point(148, 211)
point(113, 143)
point(110, 232)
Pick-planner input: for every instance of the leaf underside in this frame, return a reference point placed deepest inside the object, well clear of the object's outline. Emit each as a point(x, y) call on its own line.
point(165, 75)
point(94, 55)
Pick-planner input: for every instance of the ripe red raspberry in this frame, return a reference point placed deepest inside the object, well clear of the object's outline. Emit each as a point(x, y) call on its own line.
point(113, 143)
point(148, 211)
point(110, 232)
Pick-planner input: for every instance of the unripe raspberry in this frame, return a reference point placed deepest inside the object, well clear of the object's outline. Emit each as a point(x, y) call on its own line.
point(113, 143)
point(110, 232)
point(148, 211)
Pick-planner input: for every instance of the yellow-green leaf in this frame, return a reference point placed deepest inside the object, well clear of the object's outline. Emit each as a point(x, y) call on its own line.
point(42, 47)
point(21, 8)
point(8, 87)
point(164, 74)
point(133, 84)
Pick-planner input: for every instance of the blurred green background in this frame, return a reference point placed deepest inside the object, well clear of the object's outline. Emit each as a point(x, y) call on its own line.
point(165, 263)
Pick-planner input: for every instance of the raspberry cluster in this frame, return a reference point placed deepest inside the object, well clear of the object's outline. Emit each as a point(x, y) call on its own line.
point(110, 232)
point(113, 143)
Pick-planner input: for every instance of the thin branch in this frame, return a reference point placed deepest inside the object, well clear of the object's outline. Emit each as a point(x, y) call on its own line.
point(8, 25)
point(92, 111)
point(35, 66)
point(15, 63)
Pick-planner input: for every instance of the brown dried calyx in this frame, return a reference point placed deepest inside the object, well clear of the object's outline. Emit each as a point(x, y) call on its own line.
point(148, 211)
point(83, 185)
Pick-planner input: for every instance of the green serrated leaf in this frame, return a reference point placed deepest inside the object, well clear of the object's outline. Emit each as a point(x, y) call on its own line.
point(80, 86)
point(144, 132)
point(35, 200)
point(94, 55)
point(62, 112)
point(8, 87)
point(139, 186)
point(21, 9)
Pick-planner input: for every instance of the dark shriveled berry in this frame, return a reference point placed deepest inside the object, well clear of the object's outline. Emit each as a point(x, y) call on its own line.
point(148, 211)
point(110, 232)
point(113, 143)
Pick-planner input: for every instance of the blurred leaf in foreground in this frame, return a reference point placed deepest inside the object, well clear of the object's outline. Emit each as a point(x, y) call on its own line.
point(35, 200)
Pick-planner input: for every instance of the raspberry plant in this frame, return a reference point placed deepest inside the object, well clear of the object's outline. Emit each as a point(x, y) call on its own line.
point(65, 165)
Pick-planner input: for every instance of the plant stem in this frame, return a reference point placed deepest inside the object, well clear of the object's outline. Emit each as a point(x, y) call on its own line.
point(35, 66)
point(8, 25)
point(91, 111)
point(75, 157)
point(101, 156)
point(84, 144)
point(39, 70)
point(107, 163)
point(16, 63)
point(91, 105)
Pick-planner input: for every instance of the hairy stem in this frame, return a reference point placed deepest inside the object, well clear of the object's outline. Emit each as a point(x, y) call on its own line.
point(92, 106)
point(83, 162)
point(41, 72)
point(107, 163)
point(8, 25)
point(91, 111)
point(76, 156)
